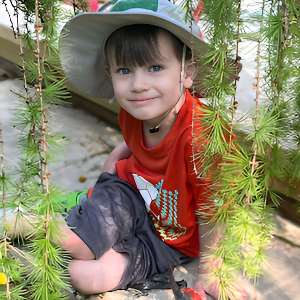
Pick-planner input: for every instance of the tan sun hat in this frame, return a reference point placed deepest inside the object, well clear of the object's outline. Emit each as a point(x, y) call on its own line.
point(84, 36)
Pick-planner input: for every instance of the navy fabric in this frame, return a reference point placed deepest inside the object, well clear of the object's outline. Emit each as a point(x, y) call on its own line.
point(115, 217)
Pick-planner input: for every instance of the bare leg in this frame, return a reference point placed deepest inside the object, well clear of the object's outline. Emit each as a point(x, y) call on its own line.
point(98, 276)
point(90, 276)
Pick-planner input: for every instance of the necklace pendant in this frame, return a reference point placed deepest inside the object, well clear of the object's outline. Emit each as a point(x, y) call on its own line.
point(154, 129)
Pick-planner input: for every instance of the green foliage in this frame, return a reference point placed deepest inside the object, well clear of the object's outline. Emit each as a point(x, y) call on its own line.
point(244, 176)
point(266, 133)
point(220, 21)
point(49, 271)
point(28, 191)
point(15, 269)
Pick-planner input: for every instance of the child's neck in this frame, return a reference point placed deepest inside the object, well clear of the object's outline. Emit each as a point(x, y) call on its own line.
point(151, 140)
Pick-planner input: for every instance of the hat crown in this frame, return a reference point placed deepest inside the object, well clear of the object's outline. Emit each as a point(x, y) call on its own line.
point(122, 5)
point(163, 7)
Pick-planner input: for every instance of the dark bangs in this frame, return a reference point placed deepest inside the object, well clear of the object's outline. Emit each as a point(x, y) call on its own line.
point(136, 45)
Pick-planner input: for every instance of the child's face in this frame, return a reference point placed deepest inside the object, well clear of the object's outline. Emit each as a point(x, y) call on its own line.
point(149, 92)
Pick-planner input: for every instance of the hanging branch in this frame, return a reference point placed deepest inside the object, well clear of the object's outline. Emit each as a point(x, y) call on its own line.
point(3, 191)
point(20, 39)
point(49, 280)
point(253, 162)
point(293, 60)
point(279, 81)
point(35, 194)
point(237, 59)
point(9, 16)
point(39, 92)
point(17, 36)
point(239, 179)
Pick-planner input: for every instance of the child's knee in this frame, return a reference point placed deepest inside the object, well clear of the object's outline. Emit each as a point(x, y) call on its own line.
point(98, 276)
point(75, 245)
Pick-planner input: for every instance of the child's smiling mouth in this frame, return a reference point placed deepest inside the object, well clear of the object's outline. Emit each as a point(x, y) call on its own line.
point(142, 100)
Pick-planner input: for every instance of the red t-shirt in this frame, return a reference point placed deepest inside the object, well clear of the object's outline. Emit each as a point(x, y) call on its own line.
point(165, 176)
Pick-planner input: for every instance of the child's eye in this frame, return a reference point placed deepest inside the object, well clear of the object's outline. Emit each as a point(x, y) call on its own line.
point(124, 71)
point(155, 68)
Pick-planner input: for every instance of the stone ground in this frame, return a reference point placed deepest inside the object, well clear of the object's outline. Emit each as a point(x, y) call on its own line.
point(281, 279)
point(91, 140)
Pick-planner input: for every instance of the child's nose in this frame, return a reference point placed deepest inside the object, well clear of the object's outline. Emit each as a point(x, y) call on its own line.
point(139, 82)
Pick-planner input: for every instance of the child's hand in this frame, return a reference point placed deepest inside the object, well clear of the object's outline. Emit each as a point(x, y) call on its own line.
point(120, 152)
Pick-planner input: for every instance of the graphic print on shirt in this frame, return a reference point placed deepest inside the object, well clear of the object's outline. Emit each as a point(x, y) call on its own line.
point(162, 205)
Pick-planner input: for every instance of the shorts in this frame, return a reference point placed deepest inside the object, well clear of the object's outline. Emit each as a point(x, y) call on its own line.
point(115, 217)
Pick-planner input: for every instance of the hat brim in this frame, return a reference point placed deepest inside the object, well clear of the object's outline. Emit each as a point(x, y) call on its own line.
point(84, 36)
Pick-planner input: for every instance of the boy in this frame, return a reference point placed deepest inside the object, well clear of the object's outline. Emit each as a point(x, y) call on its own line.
point(140, 217)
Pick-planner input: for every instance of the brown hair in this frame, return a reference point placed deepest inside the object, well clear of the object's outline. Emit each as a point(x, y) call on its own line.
point(136, 45)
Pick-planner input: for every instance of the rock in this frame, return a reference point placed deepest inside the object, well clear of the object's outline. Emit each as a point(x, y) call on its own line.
point(8, 70)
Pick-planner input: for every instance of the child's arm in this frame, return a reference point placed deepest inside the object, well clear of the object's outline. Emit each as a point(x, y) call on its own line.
point(120, 152)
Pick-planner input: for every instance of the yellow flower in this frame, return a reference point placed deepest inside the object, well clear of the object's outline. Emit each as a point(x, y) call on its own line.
point(2, 278)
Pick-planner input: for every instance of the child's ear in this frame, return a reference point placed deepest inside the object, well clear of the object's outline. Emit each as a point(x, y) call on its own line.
point(107, 71)
point(190, 74)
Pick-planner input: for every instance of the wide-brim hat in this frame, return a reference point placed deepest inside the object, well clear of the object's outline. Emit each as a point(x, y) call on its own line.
point(84, 36)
